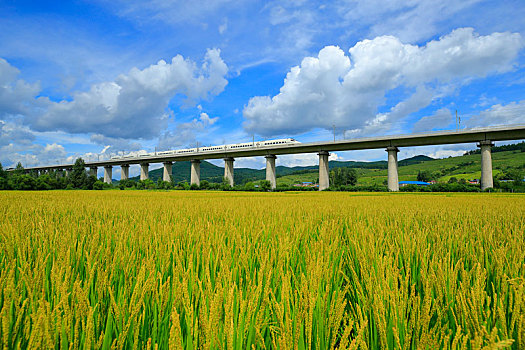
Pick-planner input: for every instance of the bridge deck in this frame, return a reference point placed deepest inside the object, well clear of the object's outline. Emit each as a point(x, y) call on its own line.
point(424, 139)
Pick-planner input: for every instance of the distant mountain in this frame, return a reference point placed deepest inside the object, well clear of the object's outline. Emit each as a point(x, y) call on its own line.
point(414, 160)
point(213, 173)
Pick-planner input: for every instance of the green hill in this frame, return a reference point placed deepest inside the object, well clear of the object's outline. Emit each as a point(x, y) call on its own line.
point(466, 167)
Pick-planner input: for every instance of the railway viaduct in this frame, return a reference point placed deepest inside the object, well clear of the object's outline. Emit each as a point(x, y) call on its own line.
point(391, 144)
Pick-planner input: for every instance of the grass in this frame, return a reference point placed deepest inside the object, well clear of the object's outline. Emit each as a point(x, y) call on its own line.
point(186, 270)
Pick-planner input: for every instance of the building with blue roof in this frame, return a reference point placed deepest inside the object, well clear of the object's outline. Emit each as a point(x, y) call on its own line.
point(417, 183)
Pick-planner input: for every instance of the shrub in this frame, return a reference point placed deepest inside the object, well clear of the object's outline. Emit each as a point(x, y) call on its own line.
point(98, 185)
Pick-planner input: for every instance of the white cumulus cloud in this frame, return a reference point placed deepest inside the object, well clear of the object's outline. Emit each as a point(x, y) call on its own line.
point(135, 105)
point(346, 91)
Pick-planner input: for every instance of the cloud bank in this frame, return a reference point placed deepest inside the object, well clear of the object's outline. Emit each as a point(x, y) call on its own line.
point(346, 91)
point(133, 106)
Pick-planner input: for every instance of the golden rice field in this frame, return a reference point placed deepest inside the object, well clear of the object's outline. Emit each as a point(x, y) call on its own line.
point(231, 270)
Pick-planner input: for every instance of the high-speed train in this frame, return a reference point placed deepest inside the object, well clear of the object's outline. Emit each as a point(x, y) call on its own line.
point(246, 145)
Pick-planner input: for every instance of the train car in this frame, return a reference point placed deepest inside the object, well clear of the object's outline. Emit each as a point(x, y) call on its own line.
point(212, 148)
point(280, 142)
point(166, 153)
point(188, 150)
point(241, 145)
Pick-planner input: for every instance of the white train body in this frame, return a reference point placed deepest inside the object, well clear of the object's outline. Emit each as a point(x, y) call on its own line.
point(235, 146)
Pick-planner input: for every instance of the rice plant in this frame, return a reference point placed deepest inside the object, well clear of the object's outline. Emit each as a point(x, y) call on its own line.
point(220, 270)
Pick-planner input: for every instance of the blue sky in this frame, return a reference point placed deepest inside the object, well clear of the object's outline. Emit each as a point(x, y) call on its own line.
point(93, 78)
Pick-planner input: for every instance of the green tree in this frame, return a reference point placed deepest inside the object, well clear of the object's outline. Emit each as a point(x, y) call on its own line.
point(127, 183)
point(91, 179)
point(266, 185)
point(424, 176)
point(78, 176)
point(149, 184)
point(183, 185)
point(19, 170)
point(98, 185)
point(249, 186)
point(41, 184)
point(3, 173)
point(24, 183)
point(343, 177)
point(4, 185)
point(59, 183)
point(163, 185)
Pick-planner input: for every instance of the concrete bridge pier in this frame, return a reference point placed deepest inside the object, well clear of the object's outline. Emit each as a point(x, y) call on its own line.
point(166, 175)
point(270, 170)
point(68, 171)
point(108, 174)
point(195, 172)
point(124, 172)
point(228, 170)
point(324, 175)
point(93, 171)
point(486, 164)
point(144, 171)
point(393, 178)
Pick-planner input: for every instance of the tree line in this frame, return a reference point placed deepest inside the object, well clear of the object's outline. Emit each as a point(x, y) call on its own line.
point(503, 148)
point(341, 179)
point(78, 178)
point(19, 179)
